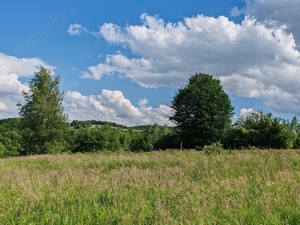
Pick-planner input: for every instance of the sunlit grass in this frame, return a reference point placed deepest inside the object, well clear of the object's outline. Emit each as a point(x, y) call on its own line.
point(173, 187)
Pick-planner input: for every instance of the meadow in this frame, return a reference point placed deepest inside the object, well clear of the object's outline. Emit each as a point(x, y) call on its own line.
point(169, 187)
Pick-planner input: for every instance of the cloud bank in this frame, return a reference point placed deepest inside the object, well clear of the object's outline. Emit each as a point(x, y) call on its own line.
point(111, 105)
point(108, 106)
point(252, 59)
point(275, 12)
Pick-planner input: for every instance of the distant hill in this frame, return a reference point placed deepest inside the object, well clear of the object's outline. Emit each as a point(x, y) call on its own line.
point(14, 122)
point(89, 123)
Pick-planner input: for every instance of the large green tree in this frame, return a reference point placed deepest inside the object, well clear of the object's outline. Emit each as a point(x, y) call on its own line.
point(42, 118)
point(202, 111)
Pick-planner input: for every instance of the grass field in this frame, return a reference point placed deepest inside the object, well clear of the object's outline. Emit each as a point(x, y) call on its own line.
point(173, 187)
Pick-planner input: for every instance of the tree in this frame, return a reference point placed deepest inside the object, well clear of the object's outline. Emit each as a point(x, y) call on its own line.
point(264, 131)
point(10, 136)
point(295, 126)
point(42, 118)
point(2, 150)
point(202, 111)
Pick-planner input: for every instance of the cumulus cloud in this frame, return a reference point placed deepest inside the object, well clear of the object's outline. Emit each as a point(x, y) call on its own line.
point(11, 88)
point(274, 11)
point(111, 105)
point(108, 106)
point(252, 59)
point(76, 29)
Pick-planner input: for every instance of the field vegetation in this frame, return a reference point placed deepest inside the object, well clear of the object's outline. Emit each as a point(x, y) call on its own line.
point(170, 187)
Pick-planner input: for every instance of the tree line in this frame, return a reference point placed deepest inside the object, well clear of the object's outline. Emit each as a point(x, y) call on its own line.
point(202, 116)
point(83, 136)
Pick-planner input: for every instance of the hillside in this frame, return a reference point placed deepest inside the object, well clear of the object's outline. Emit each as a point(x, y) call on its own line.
point(172, 187)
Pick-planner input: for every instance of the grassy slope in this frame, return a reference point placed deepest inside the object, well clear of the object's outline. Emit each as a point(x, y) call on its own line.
point(249, 187)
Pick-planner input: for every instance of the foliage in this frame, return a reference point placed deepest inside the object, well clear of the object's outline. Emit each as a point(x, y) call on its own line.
point(154, 137)
point(114, 138)
point(42, 118)
point(92, 137)
point(215, 147)
point(261, 130)
point(89, 123)
point(2, 150)
point(237, 137)
point(10, 137)
point(202, 111)
point(103, 138)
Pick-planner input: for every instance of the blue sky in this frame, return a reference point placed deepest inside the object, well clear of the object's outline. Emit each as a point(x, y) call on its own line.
point(38, 30)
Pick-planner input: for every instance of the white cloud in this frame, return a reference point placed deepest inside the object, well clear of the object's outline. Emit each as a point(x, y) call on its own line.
point(245, 112)
point(76, 29)
point(253, 59)
point(108, 106)
point(236, 11)
point(143, 102)
point(281, 11)
point(111, 105)
point(11, 88)
point(3, 106)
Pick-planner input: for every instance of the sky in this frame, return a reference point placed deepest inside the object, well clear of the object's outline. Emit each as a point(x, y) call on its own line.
point(123, 61)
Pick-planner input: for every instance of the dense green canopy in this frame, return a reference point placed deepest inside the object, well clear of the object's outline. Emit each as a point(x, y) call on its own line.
point(42, 118)
point(202, 111)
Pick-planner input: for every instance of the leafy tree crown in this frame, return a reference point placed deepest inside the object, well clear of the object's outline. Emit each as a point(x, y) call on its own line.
point(42, 116)
point(202, 111)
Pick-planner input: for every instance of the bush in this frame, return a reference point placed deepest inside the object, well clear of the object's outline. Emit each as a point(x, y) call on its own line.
point(215, 147)
point(88, 140)
point(56, 147)
point(2, 150)
point(154, 138)
point(260, 130)
point(237, 138)
point(141, 144)
point(297, 143)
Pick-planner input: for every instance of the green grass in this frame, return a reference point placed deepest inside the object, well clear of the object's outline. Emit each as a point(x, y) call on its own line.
point(173, 187)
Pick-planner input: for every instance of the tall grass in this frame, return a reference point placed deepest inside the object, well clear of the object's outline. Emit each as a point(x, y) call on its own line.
point(173, 187)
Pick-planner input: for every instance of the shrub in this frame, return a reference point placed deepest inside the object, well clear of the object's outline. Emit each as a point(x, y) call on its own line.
point(2, 150)
point(297, 143)
point(262, 131)
point(237, 138)
point(141, 144)
point(56, 147)
point(215, 147)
